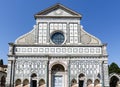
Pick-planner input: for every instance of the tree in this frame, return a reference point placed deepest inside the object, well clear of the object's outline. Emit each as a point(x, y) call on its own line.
point(1, 62)
point(113, 68)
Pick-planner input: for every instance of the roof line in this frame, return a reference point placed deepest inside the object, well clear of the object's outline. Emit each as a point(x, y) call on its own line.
point(58, 5)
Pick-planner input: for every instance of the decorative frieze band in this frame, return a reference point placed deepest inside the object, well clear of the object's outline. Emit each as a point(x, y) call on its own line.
point(58, 50)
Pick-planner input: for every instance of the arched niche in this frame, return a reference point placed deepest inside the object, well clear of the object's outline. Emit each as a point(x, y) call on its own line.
point(114, 81)
point(26, 83)
point(41, 83)
point(58, 68)
point(89, 83)
point(34, 75)
point(58, 62)
point(73, 83)
point(97, 83)
point(18, 83)
point(33, 82)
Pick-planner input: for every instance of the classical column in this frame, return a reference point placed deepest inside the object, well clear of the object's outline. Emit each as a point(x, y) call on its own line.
point(66, 83)
point(50, 78)
point(47, 73)
point(69, 75)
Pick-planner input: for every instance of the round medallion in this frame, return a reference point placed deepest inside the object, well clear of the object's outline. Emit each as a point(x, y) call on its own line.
point(57, 38)
point(58, 12)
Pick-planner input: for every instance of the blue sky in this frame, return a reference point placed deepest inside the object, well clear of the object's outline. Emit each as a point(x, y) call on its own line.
point(100, 18)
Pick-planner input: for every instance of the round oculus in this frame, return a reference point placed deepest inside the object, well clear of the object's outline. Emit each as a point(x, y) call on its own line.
point(57, 38)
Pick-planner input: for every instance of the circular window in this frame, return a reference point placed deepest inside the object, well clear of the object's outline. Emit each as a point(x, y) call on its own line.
point(57, 38)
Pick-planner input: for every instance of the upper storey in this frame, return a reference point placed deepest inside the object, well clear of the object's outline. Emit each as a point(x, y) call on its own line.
point(57, 10)
point(58, 25)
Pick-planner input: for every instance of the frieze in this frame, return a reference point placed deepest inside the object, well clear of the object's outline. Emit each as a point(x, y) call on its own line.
point(58, 50)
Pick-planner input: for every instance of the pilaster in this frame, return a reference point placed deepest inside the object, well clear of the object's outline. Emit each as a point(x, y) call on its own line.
point(105, 73)
point(8, 79)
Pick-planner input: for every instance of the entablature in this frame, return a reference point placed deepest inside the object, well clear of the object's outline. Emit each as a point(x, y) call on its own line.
point(58, 50)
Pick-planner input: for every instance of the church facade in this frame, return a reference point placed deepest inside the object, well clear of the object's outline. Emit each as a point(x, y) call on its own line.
point(57, 52)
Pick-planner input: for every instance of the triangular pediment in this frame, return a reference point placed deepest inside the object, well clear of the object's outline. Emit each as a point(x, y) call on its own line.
point(57, 10)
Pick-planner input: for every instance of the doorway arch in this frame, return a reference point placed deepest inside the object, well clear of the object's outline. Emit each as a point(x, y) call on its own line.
point(81, 80)
point(33, 82)
point(18, 83)
point(26, 83)
point(3, 81)
point(97, 83)
point(73, 83)
point(58, 76)
point(114, 81)
point(42, 83)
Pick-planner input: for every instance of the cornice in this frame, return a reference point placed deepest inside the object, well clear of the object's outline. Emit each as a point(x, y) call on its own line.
point(39, 45)
point(57, 55)
point(43, 16)
point(54, 7)
point(3, 66)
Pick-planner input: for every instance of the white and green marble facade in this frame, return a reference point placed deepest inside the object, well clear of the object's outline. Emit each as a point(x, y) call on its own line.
point(35, 53)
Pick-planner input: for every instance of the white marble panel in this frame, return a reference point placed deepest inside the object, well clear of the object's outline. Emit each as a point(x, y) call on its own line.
point(71, 39)
point(75, 26)
point(40, 26)
point(60, 26)
point(64, 26)
point(71, 26)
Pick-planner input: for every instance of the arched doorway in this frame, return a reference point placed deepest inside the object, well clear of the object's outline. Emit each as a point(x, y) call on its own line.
point(58, 75)
point(89, 83)
point(81, 80)
point(26, 83)
point(73, 83)
point(3, 81)
point(42, 83)
point(33, 80)
point(113, 81)
point(18, 83)
point(97, 83)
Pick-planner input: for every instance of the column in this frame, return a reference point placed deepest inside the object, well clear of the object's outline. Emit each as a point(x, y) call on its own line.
point(47, 73)
point(50, 78)
point(69, 75)
point(66, 83)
